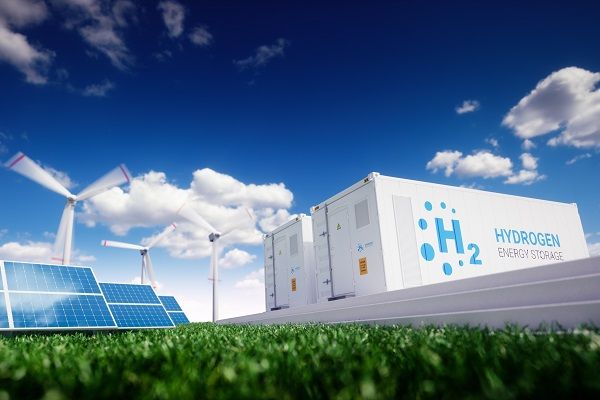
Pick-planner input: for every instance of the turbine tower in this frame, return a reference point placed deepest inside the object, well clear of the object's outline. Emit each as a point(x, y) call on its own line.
point(191, 215)
point(144, 252)
point(23, 165)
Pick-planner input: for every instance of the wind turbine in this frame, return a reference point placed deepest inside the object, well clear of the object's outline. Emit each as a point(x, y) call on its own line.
point(23, 165)
point(191, 215)
point(144, 251)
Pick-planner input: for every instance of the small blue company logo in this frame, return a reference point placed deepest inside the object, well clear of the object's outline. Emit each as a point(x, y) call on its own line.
point(443, 236)
point(360, 248)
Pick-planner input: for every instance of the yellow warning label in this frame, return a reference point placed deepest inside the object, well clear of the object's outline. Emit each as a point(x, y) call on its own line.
point(362, 266)
point(293, 284)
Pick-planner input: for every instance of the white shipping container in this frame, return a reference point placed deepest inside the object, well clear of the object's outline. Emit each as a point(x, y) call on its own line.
point(290, 265)
point(386, 233)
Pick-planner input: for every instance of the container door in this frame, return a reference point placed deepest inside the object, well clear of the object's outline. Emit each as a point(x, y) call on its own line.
point(269, 274)
point(342, 273)
point(281, 271)
point(321, 245)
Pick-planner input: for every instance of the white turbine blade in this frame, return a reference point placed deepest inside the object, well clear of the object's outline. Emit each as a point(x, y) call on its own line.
point(161, 236)
point(121, 245)
point(150, 270)
point(191, 215)
point(58, 251)
point(23, 165)
point(116, 177)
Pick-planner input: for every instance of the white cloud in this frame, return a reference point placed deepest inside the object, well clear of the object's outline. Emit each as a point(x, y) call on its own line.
point(566, 101)
point(216, 187)
point(221, 199)
point(124, 12)
point(31, 251)
point(524, 177)
point(271, 219)
point(467, 106)
point(264, 54)
point(31, 61)
point(484, 164)
point(529, 162)
point(445, 160)
point(254, 280)
point(528, 145)
point(200, 36)
point(578, 158)
point(99, 27)
point(594, 249)
point(493, 142)
point(481, 164)
point(528, 174)
point(173, 15)
point(98, 89)
point(19, 13)
point(236, 258)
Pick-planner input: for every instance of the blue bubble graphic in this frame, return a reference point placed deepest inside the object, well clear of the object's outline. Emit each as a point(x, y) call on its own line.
point(427, 251)
point(422, 224)
point(461, 263)
point(453, 211)
point(447, 269)
point(428, 206)
point(443, 205)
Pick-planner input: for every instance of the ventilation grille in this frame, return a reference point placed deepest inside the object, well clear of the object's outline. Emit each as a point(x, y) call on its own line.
point(361, 213)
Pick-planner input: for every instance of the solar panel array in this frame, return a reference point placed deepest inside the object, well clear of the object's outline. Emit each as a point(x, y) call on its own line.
point(48, 297)
point(174, 310)
point(135, 306)
point(39, 296)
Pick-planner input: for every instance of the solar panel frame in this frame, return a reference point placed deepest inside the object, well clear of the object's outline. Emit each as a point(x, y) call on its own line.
point(170, 303)
point(7, 292)
point(139, 305)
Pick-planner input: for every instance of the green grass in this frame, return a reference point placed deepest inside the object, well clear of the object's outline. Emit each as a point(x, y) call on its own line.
point(302, 361)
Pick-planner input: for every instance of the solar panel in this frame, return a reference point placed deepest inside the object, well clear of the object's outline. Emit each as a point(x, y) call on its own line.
point(38, 310)
point(135, 306)
point(179, 318)
point(129, 293)
point(170, 303)
point(140, 316)
point(42, 296)
point(49, 278)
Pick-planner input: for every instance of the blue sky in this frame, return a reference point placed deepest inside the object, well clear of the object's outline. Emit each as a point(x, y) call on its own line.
point(313, 96)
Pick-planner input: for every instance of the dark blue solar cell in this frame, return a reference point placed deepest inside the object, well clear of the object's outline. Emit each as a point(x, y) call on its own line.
point(129, 293)
point(139, 316)
point(179, 318)
point(3, 313)
point(37, 310)
point(50, 278)
point(170, 303)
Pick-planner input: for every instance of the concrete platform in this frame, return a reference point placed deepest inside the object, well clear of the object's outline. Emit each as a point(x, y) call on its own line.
point(565, 294)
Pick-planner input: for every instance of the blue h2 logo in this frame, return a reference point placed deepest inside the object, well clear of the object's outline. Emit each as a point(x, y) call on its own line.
point(450, 237)
point(444, 235)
